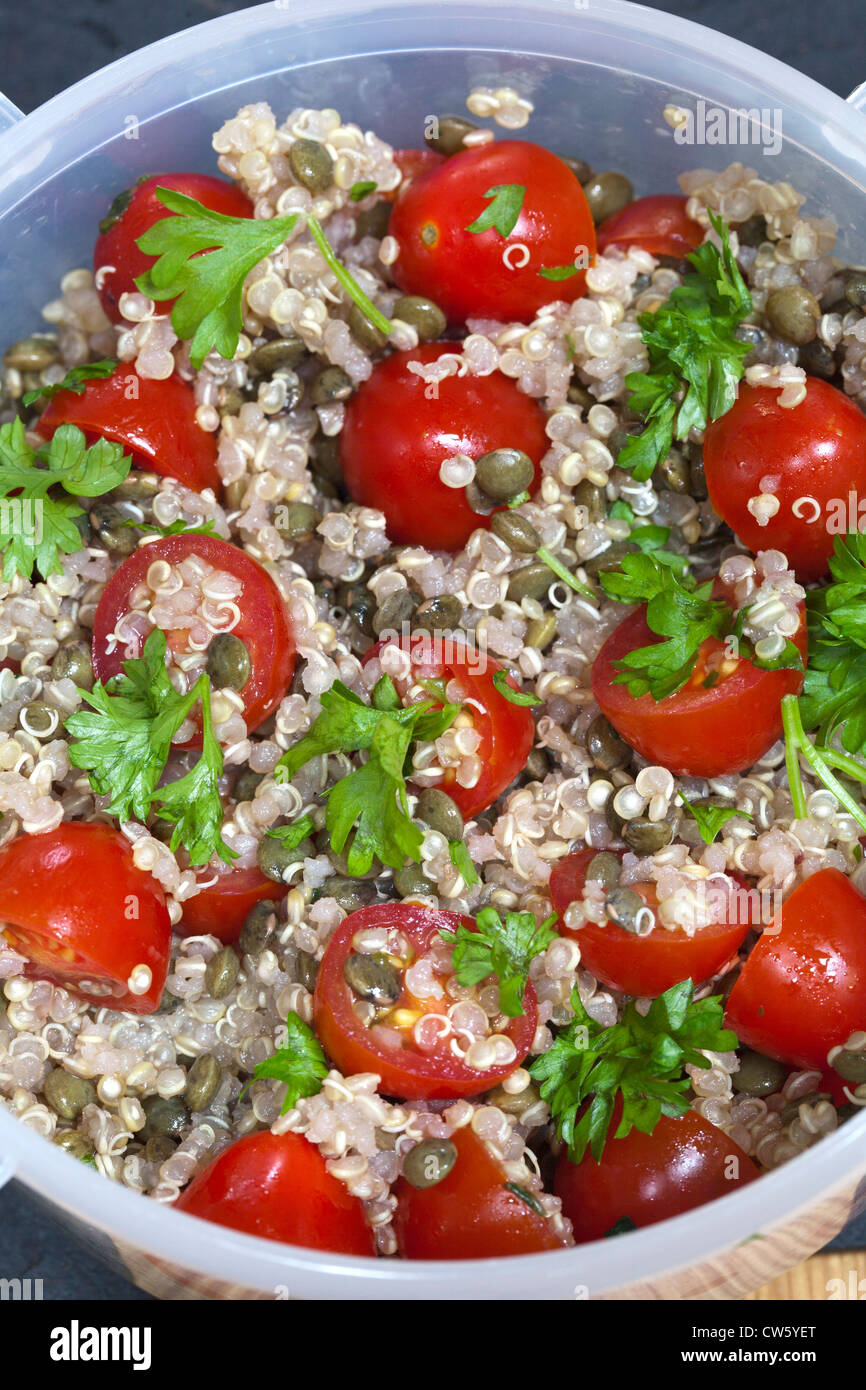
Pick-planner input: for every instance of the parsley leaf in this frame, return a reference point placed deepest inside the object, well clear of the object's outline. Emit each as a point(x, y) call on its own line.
point(695, 359)
point(300, 1063)
point(505, 949)
point(462, 862)
point(711, 819)
point(361, 189)
point(651, 539)
point(293, 835)
point(640, 1060)
point(558, 272)
point(834, 694)
point(76, 380)
point(371, 800)
point(174, 528)
point(514, 697)
point(503, 212)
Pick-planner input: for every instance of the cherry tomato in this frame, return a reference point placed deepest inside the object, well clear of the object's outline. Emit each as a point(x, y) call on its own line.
point(685, 1162)
point(405, 1071)
point(472, 1214)
point(73, 902)
point(263, 625)
point(277, 1186)
point(700, 731)
point(507, 730)
point(221, 909)
point(116, 254)
point(398, 430)
point(483, 274)
point(658, 224)
point(810, 457)
point(802, 988)
point(411, 163)
point(642, 965)
point(153, 420)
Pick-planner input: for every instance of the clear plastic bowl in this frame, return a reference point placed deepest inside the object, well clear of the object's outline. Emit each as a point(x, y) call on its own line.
point(600, 76)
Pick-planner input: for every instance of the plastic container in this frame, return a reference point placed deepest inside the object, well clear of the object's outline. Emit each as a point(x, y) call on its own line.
point(600, 77)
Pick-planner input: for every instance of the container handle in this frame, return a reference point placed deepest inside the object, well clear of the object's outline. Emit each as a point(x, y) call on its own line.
point(857, 99)
point(9, 113)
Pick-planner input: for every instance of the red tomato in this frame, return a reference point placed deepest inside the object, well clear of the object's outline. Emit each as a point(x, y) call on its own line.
point(405, 1072)
point(398, 430)
point(802, 988)
point(507, 730)
point(812, 457)
point(73, 902)
point(153, 420)
point(467, 273)
point(658, 224)
point(685, 1162)
point(471, 1214)
point(116, 254)
point(641, 965)
point(263, 625)
point(699, 731)
point(279, 1187)
point(221, 909)
point(411, 163)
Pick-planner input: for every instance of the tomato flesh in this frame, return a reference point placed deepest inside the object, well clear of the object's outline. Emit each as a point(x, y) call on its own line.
point(153, 420)
point(222, 907)
point(470, 1214)
point(643, 966)
point(483, 274)
point(278, 1187)
point(406, 1072)
point(658, 224)
point(802, 988)
point(398, 431)
point(73, 902)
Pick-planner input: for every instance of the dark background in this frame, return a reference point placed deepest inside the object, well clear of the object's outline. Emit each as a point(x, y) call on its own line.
point(48, 45)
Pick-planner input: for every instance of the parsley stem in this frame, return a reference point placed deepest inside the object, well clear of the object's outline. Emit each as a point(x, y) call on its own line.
point(796, 743)
point(562, 573)
point(349, 283)
point(843, 763)
point(793, 738)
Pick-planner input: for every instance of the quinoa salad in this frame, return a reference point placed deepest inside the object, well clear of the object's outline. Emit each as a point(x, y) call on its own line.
point(431, 680)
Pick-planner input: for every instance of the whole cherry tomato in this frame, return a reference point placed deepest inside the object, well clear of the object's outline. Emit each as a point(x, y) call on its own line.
point(398, 431)
point(645, 1178)
point(485, 274)
point(636, 964)
point(263, 625)
point(507, 730)
point(222, 907)
point(153, 420)
point(810, 457)
point(73, 902)
point(117, 260)
point(411, 163)
point(802, 988)
point(472, 1214)
point(277, 1186)
point(405, 1070)
point(658, 224)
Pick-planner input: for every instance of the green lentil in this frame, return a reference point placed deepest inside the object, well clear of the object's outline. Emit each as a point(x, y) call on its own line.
point(350, 893)
point(258, 928)
point(646, 836)
point(607, 193)
point(297, 521)
point(276, 858)
point(604, 868)
point(311, 165)
point(228, 661)
point(364, 331)
point(67, 1094)
point(331, 384)
point(532, 581)
point(793, 313)
point(422, 314)
point(758, 1075)
point(604, 745)
point(202, 1082)
point(373, 979)
point(76, 1144)
point(166, 1118)
point(221, 973)
point(504, 473)
point(277, 354)
point(516, 532)
point(540, 632)
point(439, 811)
point(32, 354)
point(448, 135)
point(439, 614)
point(429, 1162)
point(411, 882)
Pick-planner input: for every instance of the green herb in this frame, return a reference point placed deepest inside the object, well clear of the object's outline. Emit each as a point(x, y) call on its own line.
point(558, 272)
point(124, 742)
point(360, 190)
point(562, 573)
point(505, 949)
point(300, 1063)
point(517, 501)
point(89, 1159)
point(503, 212)
point(462, 862)
point(621, 1227)
point(834, 694)
point(174, 528)
point(695, 359)
point(348, 281)
point(38, 525)
point(76, 380)
point(514, 697)
point(293, 835)
point(525, 1196)
point(823, 760)
point(711, 819)
point(371, 800)
point(639, 1060)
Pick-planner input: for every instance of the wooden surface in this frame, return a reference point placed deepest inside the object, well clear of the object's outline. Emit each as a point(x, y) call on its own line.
point(841, 1274)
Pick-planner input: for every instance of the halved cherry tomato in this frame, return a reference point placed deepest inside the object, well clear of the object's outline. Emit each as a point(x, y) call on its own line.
point(507, 730)
point(221, 909)
point(405, 1071)
point(73, 902)
point(263, 625)
point(485, 274)
point(685, 1162)
point(802, 989)
point(658, 224)
point(641, 965)
point(699, 731)
point(277, 1186)
point(116, 254)
point(153, 420)
point(399, 429)
point(811, 457)
point(470, 1215)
